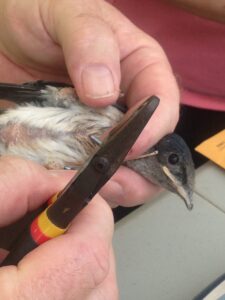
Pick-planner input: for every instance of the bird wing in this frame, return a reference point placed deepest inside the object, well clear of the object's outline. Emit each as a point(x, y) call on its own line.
point(39, 92)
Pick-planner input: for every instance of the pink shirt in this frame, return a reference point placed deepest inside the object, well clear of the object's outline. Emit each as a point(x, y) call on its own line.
point(195, 47)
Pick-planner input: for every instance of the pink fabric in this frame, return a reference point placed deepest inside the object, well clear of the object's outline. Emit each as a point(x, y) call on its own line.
point(195, 47)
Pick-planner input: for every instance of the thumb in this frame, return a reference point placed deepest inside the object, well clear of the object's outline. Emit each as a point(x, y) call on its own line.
point(90, 50)
point(72, 266)
point(24, 186)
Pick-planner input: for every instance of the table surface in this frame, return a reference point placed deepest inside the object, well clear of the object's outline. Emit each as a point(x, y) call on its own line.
point(163, 251)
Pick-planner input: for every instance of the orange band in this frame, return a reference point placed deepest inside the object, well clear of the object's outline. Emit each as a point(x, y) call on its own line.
point(52, 199)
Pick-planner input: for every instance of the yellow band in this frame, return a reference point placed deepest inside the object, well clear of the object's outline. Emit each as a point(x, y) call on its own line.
point(47, 227)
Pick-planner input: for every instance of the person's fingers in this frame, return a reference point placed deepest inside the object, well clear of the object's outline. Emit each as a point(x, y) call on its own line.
point(127, 188)
point(98, 43)
point(110, 39)
point(149, 73)
point(91, 33)
point(90, 49)
point(71, 266)
point(25, 185)
point(145, 72)
point(94, 35)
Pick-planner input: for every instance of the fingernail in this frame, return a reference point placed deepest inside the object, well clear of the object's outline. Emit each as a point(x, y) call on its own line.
point(98, 81)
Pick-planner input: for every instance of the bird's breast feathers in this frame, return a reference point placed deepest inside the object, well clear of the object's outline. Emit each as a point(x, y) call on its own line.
point(54, 136)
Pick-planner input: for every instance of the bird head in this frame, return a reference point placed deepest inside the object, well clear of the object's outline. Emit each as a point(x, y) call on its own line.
point(170, 165)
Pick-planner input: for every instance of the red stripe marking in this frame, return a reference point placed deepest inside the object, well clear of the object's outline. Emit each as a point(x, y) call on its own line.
point(37, 235)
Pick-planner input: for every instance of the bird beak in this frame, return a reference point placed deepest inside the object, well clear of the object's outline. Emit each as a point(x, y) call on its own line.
point(189, 203)
point(181, 191)
point(185, 196)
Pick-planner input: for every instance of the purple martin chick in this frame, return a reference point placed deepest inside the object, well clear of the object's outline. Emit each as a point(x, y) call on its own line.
point(51, 126)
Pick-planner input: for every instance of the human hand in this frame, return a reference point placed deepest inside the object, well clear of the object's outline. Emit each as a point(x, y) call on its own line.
point(76, 265)
point(97, 47)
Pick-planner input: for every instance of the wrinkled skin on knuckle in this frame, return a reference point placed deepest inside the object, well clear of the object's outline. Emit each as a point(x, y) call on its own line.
point(17, 30)
point(80, 272)
point(54, 19)
point(94, 263)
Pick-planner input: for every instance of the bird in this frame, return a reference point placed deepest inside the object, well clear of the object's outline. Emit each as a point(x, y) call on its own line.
point(48, 124)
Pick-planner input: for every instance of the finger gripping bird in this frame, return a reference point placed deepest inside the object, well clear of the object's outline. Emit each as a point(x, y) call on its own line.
point(51, 126)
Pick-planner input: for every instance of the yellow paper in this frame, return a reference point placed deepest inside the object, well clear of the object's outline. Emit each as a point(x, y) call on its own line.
point(214, 148)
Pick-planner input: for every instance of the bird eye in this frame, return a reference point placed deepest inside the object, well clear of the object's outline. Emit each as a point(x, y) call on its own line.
point(173, 159)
